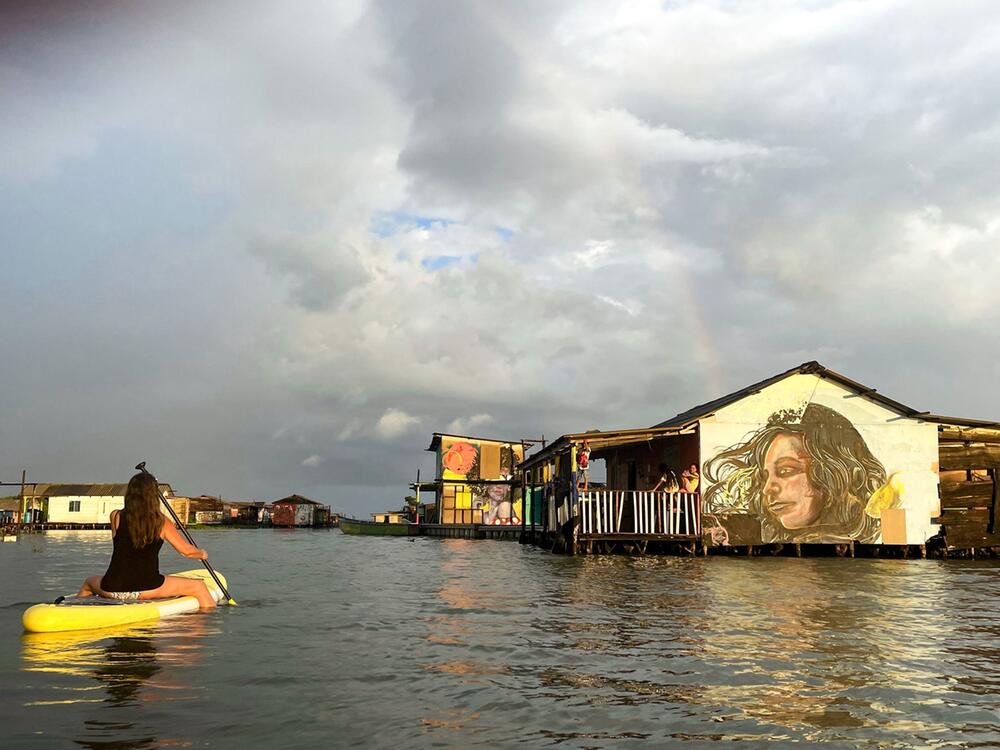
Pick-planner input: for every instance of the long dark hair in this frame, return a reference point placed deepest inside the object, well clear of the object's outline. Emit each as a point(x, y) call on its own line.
point(143, 518)
point(842, 471)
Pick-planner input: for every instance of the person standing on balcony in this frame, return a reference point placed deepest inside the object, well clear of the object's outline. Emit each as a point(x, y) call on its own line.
point(668, 480)
point(583, 466)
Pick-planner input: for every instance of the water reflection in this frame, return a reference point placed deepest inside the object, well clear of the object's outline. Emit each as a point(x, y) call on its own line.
point(133, 666)
point(379, 643)
point(796, 649)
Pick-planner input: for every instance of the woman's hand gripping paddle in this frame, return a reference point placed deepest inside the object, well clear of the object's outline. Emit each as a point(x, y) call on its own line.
point(141, 466)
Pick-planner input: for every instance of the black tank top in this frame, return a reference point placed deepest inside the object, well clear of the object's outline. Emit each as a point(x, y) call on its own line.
point(132, 568)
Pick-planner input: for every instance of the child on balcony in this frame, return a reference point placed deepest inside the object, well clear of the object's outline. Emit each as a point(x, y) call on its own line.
point(583, 466)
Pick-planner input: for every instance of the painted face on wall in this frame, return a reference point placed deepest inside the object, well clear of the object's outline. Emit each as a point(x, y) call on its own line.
point(788, 495)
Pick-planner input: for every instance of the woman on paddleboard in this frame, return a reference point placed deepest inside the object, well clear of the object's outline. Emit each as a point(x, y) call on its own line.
point(138, 532)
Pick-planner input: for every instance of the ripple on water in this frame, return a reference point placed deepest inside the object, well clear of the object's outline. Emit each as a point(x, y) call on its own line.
point(380, 643)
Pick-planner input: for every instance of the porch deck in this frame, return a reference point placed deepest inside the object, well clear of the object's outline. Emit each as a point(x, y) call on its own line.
point(621, 515)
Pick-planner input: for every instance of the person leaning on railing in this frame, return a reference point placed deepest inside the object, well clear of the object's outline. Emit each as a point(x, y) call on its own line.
point(668, 480)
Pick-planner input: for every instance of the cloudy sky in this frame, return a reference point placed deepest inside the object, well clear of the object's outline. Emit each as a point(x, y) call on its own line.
point(271, 247)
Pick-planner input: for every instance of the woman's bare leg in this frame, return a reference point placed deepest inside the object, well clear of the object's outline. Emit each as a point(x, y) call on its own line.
point(177, 586)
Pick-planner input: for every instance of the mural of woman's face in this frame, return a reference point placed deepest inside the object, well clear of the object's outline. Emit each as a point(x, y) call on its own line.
point(788, 495)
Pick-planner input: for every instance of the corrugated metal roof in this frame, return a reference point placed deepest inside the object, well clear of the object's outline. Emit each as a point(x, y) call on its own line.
point(109, 489)
point(436, 440)
point(599, 440)
point(296, 500)
point(806, 368)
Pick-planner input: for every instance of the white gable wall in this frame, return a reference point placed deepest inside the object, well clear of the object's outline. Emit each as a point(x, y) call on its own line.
point(93, 509)
point(905, 446)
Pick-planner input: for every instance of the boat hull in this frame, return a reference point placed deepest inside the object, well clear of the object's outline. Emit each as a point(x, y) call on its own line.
point(369, 528)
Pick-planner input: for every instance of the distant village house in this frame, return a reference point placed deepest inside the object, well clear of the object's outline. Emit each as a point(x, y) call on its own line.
point(297, 511)
point(75, 503)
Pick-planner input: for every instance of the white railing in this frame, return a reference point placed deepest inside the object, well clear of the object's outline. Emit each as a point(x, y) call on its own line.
point(667, 513)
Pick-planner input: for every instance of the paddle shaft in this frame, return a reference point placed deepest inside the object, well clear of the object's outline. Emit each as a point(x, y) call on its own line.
point(187, 536)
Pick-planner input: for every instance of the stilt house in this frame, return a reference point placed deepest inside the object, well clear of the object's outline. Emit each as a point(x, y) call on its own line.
point(808, 456)
point(77, 503)
point(475, 480)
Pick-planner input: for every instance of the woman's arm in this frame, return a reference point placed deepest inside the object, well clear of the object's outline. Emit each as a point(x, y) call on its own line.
point(179, 543)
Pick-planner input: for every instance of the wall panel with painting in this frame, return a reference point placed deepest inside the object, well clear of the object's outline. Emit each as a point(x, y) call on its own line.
point(808, 460)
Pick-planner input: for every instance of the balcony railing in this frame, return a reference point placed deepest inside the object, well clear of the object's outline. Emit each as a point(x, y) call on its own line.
point(639, 512)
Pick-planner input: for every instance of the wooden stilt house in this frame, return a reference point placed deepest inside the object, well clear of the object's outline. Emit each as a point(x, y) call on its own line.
point(808, 456)
point(475, 480)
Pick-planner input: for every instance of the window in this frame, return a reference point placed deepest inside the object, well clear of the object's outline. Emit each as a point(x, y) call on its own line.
point(456, 505)
point(74, 506)
point(448, 504)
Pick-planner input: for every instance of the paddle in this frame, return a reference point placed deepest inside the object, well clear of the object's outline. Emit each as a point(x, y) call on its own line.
point(141, 466)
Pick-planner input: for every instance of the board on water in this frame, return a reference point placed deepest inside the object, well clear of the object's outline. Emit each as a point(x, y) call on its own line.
point(89, 612)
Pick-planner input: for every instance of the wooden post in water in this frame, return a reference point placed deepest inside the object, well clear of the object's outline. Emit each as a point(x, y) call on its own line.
point(923, 550)
point(416, 499)
point(798, 549)
point(852, 549)
point(24, 502)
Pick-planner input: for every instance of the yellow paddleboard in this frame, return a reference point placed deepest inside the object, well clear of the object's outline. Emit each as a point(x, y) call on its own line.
point(94, 612)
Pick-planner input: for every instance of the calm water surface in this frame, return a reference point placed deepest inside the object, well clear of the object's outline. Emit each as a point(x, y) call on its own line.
point(343, 641)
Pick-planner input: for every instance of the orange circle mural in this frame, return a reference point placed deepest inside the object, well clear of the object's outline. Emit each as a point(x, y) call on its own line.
point(459, 458)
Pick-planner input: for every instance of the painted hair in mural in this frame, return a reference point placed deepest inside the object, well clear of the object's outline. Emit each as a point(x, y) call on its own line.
point(807, 476)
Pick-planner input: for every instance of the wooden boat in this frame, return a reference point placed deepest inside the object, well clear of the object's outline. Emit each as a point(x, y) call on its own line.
point(371, 528)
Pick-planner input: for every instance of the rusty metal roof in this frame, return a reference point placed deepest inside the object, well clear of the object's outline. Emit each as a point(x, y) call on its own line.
point(295, 500)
